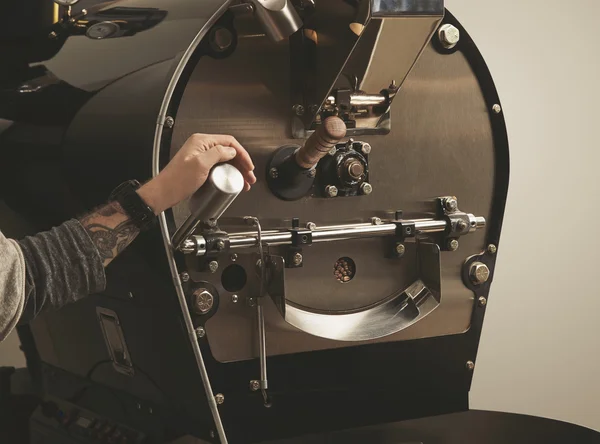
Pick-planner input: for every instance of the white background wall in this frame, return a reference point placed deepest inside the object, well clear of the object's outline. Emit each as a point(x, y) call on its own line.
point(540, 350)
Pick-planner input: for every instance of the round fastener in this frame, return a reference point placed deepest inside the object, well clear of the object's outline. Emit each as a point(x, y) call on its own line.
point(298, 110)
point(53, 35)
point(297, 259)
point(220, 244)
point(492, 249)
point(203, 301)
point(254, 385)
point(366, 148)
point(274, 173)
point(234, 257)
point(451, 204)
point(366, 188)
point(497, 108)
point(331, 190)
point(184, 276)
point(219, 398)
point(312, 173)
point(169, 122)
point(213, 266)
point(376, 221)
point(400, 249)
point(449, 36)
point(222, 39)
point(200, 332)
point(311, 226)
point(482, 301)
point(470, 365)
point(461, 225)
point(452, 245)
point(251, 302)
point(333, 151)
point(234, 298)
point(479, 273)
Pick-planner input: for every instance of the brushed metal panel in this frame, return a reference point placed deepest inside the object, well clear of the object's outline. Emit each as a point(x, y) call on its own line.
point(440, 144)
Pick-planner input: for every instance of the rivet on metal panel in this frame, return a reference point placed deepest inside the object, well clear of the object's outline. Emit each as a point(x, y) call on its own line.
point(497, 108)
point(470, 365)
point(492, 249)
point(482, 301)
point(200, 332)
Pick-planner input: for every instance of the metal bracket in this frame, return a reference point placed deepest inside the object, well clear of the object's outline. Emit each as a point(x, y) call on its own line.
point(115, 341)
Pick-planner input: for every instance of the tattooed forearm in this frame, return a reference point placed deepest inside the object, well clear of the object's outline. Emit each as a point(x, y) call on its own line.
point(111, 230)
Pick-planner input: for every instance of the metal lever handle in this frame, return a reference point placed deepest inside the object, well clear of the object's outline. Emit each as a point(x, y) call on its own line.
point(223, 185)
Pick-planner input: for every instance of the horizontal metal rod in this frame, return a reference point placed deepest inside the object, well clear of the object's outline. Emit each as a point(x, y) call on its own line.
point(329, 234)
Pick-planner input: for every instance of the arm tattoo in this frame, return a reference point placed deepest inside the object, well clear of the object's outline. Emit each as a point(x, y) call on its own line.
point(111, 230)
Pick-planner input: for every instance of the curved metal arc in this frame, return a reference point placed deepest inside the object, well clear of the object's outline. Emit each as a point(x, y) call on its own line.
point(219, 8)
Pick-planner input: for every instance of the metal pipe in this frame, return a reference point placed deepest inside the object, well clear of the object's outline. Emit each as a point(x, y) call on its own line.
point(363, 100)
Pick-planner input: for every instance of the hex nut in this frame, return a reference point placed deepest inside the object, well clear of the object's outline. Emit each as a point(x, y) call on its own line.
point(452, 245)
point(203, 301)
point(479, 273)
point(449, 36)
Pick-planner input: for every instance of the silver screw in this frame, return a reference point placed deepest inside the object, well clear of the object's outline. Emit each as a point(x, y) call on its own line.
point(169, 122)
point(497, 108)
point(184, 277)
point(451, 204)
point(331, 190)
point(400, 249)
point(482, 301)
point(366, 188)
point(299, 110)
point(311, 226)
point(479, 273)
point(492, 249)
point(470, 365)
point(213, 266)
point(376, 221)
point(297, 259)
point(312, 173)
point(251, 302)
point(219, 398)
point(461, 225)
point(366, 148)
point(254, 385)
point(234, 298)
point(452, 245)
point(274, 173)
point(203, 301)
point(449, 36)
point(200, 332)
point(220, 244)
point(234, 257)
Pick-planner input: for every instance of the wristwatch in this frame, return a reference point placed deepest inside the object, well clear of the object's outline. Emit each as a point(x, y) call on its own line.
point(139, 212)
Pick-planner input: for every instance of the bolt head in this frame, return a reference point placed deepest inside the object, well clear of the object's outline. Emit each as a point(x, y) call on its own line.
point(297, 259)
point(200, 332)
point(366, 188)
point(234, 257)
point(312, 173)
point(461, 225)
point(311, 226)
point(470, 365)
point(274, 173)
point(449, 36)
point(400, 249)
point(220, 244)
point(184, 276)
point(453, 245)
point(219, 398)
point(299, 110)
point(254, 385)
point(234, 298)
point(331, 190)
point(169, 122)
point(203, 301)
point(482, 301)
point(497, 108)
point(492, 249)
point(376, 221)
point(479, 273)
point(366, 148)
point(451, 204)
point(213, 266)
point(53, 35)
point(251, 302)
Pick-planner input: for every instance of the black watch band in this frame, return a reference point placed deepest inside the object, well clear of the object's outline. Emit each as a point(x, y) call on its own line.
point(139, 212)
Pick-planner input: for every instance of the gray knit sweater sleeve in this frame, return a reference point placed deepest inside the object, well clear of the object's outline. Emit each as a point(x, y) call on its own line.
point(12, 285)
point(61, 266)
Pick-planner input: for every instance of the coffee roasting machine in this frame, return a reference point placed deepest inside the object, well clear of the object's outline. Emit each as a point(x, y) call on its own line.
point(347, 288)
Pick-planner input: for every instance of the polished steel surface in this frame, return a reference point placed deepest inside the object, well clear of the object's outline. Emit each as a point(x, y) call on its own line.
point(440, 144)
point(223, 185)
point(278, 18)
point(392, 7)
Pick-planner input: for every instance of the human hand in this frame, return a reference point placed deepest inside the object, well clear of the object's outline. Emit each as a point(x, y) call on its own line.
point(189, 168)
